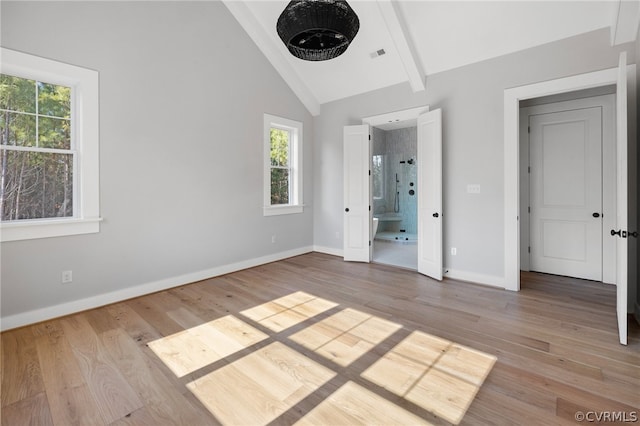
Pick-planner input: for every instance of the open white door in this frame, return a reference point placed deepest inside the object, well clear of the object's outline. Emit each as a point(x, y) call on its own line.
point(622, 193)
point(430, 196)
point(357, 225)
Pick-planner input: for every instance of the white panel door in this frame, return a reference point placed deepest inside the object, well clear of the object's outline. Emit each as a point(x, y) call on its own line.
point(566, 193)
point(430, 195)
point(621, 180)
point(356, 163)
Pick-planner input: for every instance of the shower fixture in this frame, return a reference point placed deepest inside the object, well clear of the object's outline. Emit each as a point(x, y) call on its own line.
point(396, 202)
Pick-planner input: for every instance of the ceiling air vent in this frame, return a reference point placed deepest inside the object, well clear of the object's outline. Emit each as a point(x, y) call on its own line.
point(377, 53)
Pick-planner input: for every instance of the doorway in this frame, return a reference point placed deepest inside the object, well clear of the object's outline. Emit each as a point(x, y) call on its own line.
point(357, 164)
point(622, 76)
point(567, 182)
point(394, 190)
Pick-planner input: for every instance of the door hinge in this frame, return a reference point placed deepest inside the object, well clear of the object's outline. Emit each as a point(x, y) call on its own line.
point(529, 169)
point(369, 172)
point(529, 209)
point(369, 243)
point(369, 208)
point(529, 249)
point(369, 137)
point(528, 129)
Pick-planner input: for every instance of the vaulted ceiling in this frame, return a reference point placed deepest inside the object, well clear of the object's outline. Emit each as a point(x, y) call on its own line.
point(422, 37)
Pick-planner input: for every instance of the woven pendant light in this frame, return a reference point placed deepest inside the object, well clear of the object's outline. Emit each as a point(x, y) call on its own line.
point(317, 30)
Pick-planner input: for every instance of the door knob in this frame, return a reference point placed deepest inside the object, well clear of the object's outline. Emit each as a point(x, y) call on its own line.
point(436, 215)
point(596, 215)
point(623, 234)
point(347, 210)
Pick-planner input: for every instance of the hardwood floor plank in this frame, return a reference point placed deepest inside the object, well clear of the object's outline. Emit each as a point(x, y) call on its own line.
point(143, 333)
point(148, 310)
point(70, 400)
point(22, 376)
point(31, 411)
point(109, 388)
point(164, 403)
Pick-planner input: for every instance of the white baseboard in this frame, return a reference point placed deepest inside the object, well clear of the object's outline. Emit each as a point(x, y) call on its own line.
point(329, 250)
point(488, 280)
point(50, 312)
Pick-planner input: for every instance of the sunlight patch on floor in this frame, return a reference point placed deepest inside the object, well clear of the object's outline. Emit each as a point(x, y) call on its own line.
point(345, 336)
point(435, 374)
point(287, 311)
point(259, 387)
point(438, 375)
point(353, 404)
point(189, 350)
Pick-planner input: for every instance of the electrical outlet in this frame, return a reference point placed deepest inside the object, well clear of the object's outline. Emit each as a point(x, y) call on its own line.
point(454, 251)
point(67, 277)
point(273, 239)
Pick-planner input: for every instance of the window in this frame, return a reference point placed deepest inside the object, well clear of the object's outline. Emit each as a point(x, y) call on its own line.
point(283, 166)
point(378, 177)
point(48, 148)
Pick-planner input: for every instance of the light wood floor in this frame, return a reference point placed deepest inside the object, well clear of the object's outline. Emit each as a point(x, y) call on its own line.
point(315, 340)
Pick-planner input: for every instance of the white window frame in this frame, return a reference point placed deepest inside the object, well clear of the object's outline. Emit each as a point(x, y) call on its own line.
point(85, 144)
point(295, 159)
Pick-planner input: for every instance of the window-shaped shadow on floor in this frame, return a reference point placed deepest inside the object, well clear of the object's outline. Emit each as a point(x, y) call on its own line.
point(345, 336)
point(197, 347)
point(259, 387)
point(353, 404)
point(287, 311)
point(267, 380)
point(438, 375)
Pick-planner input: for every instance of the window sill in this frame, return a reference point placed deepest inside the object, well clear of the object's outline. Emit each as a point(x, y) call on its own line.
point(33, 229)
point(285, 209)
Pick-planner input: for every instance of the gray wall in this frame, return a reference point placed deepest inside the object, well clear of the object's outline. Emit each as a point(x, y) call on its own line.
point(471, 99)
point(183, 90)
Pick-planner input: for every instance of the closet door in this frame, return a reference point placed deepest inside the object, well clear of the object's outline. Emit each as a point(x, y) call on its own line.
point(622, 219)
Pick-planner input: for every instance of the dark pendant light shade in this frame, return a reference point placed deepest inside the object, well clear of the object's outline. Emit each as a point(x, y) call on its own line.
point(317, 30)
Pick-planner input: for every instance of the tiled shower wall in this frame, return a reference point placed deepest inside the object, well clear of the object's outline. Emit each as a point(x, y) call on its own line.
point(398, 145)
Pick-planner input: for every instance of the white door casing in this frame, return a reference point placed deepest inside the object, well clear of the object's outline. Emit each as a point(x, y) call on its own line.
point(566, 193)
point(512, 98)
point(622, 198)
point(430, 197)
point(356, 162)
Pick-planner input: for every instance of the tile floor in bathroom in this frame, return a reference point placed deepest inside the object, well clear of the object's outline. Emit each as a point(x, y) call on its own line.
point(404, 255)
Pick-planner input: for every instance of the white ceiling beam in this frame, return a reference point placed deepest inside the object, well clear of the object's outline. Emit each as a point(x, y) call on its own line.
point(258, 34)
point(624, 28)
point(402, 40)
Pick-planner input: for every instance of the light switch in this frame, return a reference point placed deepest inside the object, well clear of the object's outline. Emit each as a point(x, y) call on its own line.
point(473, 189)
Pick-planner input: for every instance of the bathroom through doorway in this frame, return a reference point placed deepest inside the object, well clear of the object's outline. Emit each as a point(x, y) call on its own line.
point(394, 190)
